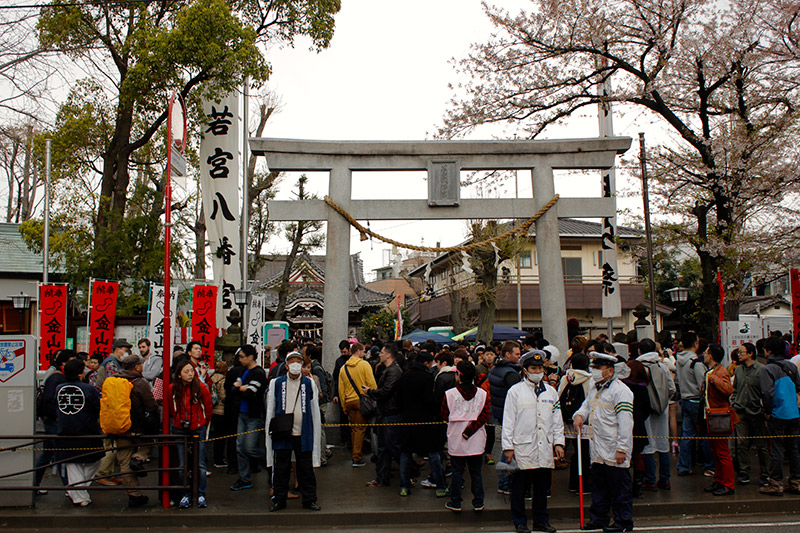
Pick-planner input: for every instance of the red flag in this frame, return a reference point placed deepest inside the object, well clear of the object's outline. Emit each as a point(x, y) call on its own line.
point(794, 274)
point(102, 310)
point(204, 318)
point(721, 304)
point(52, 323)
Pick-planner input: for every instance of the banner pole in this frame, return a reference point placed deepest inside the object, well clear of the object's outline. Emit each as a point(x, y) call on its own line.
point(580, 478)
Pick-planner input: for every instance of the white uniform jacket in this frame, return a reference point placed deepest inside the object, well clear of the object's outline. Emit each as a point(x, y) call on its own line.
point(609, 414)
point(532, 424)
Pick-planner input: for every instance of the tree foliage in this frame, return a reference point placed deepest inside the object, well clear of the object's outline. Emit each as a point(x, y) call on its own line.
point(380, 324)
point(722, 76)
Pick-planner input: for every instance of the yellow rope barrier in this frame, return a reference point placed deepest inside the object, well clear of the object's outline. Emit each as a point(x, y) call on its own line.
point(467, 247)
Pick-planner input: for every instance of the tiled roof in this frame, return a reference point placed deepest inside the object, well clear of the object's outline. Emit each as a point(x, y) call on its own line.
point(360, 295)
point(16, 257)
point(751, 304)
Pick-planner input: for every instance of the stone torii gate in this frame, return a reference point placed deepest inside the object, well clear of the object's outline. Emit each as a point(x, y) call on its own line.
point(443, 160)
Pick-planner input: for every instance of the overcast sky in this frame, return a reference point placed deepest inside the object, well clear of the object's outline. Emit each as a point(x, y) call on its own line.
point(386, 76)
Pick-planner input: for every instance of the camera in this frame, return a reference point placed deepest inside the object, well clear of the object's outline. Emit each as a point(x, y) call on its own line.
point(185, 424)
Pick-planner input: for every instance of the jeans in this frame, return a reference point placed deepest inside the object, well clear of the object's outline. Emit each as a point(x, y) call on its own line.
point(437, 472)
point(201, 472)
point(780, 445)
point(689, 429)
point(504, 483)
point(247, 443)
point(48, 455)
point(474, 464)
point(649, 460)
point(389, 437)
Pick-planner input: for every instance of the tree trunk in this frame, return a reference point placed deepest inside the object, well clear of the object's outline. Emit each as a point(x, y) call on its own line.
point(283, 287)
point(114, 184)
point(488, 306)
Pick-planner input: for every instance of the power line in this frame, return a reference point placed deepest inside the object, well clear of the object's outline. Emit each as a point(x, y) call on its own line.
point(77, 4)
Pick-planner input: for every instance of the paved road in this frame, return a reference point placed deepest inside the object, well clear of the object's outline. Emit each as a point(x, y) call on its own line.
point(742, 524)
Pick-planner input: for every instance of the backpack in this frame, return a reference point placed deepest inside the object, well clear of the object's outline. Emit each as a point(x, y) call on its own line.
point(325, 381)
point(784, 399)
point(657, 389)
point(40, 401)
point(571, 400)
point(115, 406)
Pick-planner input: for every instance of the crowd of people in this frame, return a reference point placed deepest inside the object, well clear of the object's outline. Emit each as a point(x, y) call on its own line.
point(614, 406)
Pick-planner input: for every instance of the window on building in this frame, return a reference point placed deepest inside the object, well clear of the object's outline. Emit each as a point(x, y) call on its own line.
point(573, 269)
point(525, 259)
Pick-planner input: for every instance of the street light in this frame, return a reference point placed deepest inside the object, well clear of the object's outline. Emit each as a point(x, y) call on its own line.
point(21, 303)
point(679, 295)
point(242, 298)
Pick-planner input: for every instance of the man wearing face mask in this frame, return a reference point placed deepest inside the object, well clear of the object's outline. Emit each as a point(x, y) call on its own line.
point(294, 394)
point(533, 433)
point(609, 412)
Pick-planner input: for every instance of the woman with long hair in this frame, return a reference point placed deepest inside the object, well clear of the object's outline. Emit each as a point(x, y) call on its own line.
point(190, 411)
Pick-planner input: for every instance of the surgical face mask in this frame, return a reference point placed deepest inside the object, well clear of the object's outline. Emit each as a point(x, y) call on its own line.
point(535, 378)
point(597, 374)
point(295, 368)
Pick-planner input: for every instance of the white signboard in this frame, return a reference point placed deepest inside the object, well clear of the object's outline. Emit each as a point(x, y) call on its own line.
point(219, 182)
point(255, 325)
point(155, 317)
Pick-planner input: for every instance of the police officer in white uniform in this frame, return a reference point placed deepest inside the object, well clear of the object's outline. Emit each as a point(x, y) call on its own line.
point(608, 411)
point(533, 433)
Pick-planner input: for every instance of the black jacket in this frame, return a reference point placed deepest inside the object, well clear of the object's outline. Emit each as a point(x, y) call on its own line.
point(49, 405)
point(256, 381)
point(386, 394)
point(503, 375)
point(417, 403)
point(79, 415)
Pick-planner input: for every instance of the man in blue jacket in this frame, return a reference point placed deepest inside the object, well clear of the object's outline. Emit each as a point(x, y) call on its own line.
point(504, 374)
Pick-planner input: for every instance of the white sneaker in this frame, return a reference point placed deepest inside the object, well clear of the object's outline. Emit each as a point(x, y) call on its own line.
point(427, 483)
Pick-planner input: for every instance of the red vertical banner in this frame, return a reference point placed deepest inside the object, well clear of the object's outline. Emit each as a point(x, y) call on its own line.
point(102, 310)
point(721, 305)
point(204, 318)
point(52, 323)
point(795, 288)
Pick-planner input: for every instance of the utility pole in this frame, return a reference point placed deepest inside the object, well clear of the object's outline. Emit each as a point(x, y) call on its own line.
point(647, 229)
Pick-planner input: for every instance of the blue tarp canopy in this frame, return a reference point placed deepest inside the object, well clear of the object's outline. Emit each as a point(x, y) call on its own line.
point(421, 336)
point(500, 333)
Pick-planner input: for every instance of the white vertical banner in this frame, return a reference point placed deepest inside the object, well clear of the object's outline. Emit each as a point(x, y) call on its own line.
point(220, 166)
point(155, 317)
point(255, 325)
point(612, 304)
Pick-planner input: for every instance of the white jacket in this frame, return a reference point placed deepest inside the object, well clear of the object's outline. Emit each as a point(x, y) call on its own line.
point(609, 414)
point(532, 425)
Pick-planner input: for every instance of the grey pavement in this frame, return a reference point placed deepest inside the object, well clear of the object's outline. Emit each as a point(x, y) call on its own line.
point(348, 504)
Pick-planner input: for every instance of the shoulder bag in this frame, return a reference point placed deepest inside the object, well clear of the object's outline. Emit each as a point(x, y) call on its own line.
point(368, 407)
point(280, 427)
point(718, 419)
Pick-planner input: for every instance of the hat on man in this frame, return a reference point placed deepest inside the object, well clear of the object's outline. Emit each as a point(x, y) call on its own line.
point(130, 361)
point(602, 359)
point(532, 358)
point(121, 343)
point(296, 355)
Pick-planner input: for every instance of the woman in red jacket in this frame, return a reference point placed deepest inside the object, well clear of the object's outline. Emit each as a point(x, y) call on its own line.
point(190, 410)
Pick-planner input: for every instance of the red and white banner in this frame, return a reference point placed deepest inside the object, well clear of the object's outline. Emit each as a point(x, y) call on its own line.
point(102, 309)
point(204, 318)
point(795, 288)
point(52, 323)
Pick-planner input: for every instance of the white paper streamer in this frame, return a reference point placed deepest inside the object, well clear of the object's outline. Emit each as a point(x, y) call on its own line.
point(496, 255)
point(465, 263)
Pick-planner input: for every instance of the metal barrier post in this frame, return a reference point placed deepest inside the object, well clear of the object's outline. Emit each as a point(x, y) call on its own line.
point(195, 466)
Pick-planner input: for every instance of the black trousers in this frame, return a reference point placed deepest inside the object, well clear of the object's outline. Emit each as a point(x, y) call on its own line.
point(540, 479)
point(282, 470)
point(611, 490)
